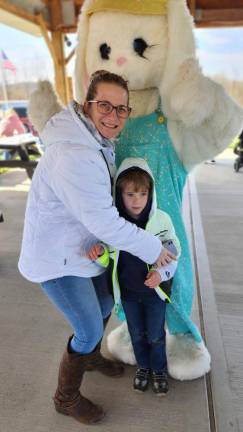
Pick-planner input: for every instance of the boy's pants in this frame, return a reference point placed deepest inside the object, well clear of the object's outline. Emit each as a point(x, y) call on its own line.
point(146, 321)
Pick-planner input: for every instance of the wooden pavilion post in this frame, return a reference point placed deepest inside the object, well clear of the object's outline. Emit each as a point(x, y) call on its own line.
point(60, 66)
point(57, 38)
point(55, 44)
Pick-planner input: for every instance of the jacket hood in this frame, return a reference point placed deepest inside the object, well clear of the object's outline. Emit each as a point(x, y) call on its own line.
point(67, 127)
point(129, 163)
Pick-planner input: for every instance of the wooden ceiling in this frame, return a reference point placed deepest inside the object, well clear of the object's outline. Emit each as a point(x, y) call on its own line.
point(217, 13)
point(63, 14)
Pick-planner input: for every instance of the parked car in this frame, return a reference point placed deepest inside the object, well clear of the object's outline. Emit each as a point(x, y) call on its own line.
point(20, 106)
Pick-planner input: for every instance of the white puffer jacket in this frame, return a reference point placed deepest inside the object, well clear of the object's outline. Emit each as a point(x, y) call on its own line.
point(70, 207)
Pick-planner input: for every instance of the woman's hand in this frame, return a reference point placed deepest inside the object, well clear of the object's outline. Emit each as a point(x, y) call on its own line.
point(96, 251)
point(153, 279)
point(165, 257)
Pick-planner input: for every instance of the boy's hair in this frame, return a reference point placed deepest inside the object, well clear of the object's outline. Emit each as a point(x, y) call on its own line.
point(138, 177)
point(103, 76)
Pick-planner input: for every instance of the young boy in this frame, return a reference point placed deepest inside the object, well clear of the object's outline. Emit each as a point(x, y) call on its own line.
point(143, 291)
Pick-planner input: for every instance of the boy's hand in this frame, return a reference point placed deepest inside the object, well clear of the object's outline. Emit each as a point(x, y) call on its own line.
point(96, 251)
point(165, 257)
point(153, 279)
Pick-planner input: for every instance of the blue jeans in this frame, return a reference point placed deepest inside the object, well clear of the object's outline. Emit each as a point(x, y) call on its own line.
point(85, 303)
point(146, 322)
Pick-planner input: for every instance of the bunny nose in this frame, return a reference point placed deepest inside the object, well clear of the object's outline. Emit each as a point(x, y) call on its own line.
point(121, 60)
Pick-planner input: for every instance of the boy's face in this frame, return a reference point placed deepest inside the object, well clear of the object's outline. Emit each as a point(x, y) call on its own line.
point(134, 200)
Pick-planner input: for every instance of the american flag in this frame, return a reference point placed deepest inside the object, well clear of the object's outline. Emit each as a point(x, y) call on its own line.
point(6, 63)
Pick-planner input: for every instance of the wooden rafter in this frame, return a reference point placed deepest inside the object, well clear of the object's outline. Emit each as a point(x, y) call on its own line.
point(219, 17)
point(19, 12)
point(192, 7)
point(60, 68)
point(206, 13)
point(216, 13)
point(68, 58)
point(219, 4)
point(55, 9)
point(57, 19)
point(44, 32)
point(56, 48)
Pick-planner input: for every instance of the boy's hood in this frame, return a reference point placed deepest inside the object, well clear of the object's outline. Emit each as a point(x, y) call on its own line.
point(142, 164)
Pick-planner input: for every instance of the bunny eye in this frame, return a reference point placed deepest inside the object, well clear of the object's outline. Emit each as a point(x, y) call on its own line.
point(105, 51)
point(140, 45)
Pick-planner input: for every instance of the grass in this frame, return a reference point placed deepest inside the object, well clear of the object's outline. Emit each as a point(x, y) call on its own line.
point(4, 170)
point(233, 144)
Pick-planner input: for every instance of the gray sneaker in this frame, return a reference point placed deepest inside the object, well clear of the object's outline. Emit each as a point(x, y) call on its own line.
point(141, 380)
point(160, 383)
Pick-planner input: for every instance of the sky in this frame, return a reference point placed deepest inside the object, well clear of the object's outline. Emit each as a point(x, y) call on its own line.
point(220, 52)
point(29, 54)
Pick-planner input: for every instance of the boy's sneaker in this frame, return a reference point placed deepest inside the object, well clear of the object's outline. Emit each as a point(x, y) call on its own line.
point(160, 383)
point(141, 380)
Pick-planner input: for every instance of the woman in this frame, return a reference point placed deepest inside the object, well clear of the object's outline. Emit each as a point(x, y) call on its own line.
point(69, 208)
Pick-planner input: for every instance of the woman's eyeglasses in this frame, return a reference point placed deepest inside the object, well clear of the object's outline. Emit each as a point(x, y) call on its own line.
point(105, 107)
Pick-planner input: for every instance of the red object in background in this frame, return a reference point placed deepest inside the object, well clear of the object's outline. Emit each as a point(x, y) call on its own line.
point(22, 113)
point(20, 107)
point(11, 125)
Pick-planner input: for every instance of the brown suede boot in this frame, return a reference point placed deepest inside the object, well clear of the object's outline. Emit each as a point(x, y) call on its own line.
point(111, 368)
point(96, 361)
point(68, 399)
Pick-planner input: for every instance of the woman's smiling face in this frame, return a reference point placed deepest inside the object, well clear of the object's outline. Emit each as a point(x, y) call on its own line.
point(109, 125)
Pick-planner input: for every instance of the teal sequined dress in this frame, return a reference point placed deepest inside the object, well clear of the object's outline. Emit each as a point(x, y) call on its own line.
point(147, 137)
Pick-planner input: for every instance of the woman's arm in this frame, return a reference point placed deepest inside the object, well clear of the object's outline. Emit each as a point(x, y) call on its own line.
point(80, 180)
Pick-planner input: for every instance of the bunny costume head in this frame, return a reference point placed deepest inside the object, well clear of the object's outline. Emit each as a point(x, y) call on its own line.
point(145, 41)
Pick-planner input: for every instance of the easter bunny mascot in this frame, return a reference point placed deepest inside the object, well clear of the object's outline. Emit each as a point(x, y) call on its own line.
point(179, 119)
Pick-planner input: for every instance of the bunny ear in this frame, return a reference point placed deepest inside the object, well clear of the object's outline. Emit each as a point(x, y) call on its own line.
point(181, 43)
point(81, 77)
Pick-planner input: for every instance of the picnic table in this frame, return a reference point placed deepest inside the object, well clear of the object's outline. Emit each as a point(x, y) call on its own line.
point(22, 145)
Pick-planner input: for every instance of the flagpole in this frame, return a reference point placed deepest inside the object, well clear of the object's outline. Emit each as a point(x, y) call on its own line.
point(3, 82)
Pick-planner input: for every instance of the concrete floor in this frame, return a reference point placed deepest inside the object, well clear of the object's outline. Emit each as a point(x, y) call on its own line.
point(33, 335)
point(220, 194)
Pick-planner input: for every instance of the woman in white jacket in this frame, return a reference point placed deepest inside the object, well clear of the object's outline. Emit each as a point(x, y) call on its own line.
point(69, 208)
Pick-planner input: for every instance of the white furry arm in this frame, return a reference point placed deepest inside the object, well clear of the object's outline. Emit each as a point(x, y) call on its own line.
point(191, 98)
point(44, 103)
point(203, 119)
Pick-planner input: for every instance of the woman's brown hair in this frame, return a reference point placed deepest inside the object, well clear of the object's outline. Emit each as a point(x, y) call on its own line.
point(103, 76)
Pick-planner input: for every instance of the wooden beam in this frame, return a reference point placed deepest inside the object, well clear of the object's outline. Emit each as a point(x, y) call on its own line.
point(219, 4)
point(192, 7)
point(68, 58)
point(60, 67)
point(218, 24)
point(55, 45)
point(16, 10)
point(55, 8)
point(219, 17)
point(70, 29)
point(70, 88)
point(48, 41)
point(19, 12)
